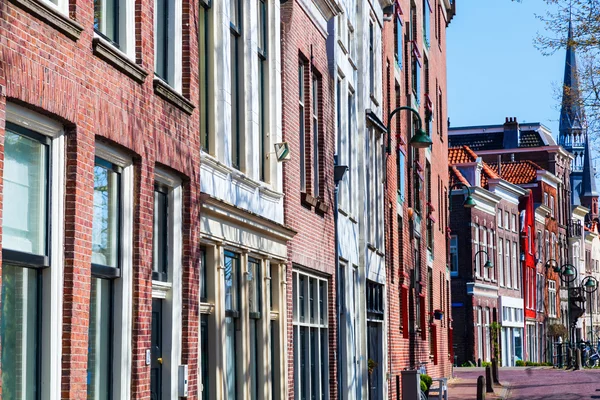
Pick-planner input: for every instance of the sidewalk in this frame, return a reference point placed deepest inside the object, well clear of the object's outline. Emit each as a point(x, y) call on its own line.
point(466, 389)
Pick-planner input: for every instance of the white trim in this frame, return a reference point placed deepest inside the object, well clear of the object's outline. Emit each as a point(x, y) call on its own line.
point(160, 289)
point(52, 290)
point(112, 155)
point(166, 178)
point(177, 59)
point(122, 334)
point(31, 120)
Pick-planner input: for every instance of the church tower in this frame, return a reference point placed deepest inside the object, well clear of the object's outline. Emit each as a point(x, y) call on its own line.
point(572, 135)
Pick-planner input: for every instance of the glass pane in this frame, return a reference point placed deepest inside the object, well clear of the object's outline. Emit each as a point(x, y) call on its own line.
point(312, 299)
point(160, 234)
point(230, 374)
point(254, 285)
point(324, 364)
point(230, 281)
point(99, 345)
point(107, 205)
point(253, 360)
point(161, 36)
point(305, 380)
point(24, 211)
point(105, 18)
point(296, 370)
point(314, 363)
point(322, 300)
point(235, 128)
point(203, 277)
point(301, 296)
point(19, 332)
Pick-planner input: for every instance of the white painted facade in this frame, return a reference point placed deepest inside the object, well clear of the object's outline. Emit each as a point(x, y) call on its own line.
point(242, 205)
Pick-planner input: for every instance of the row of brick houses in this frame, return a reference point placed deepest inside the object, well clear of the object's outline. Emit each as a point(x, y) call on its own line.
point(173, 222)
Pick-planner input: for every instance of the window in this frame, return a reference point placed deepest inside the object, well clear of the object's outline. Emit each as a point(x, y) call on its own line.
point(476, 249)
point(500, 261)
point(529, 240)
point(232, 321)
point(416, 74)
point(109, 317)
point(235, 46)
point(553, 249)
point(160, 235)
point(479, 327)
point(513, 222)
point(507, 264)
point(552, 298)
point(398, 40)
point(552, 206)
point(547, 253)
point(204, 42)
point(110, 18)
point(302, 135)
point(506, 220)
point(485, 271)
point(255, 309)
point(351, 44)
point(428, 200)
point(371, 59)
point(263, 88)
point(315, 145)
point(454, 255)
point(515, 266)
point(499, 223)
point(417, 280)
point(375, 295)
point(426, 12)
point(349, 155)
point(25, 242)
point(545, 198)
point(167, 42)
point(538, 245)
point(310, 338)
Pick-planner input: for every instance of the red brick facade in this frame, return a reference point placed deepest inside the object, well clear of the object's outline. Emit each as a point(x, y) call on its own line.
point(313, 249)
point(408, 348)
point(45, 70)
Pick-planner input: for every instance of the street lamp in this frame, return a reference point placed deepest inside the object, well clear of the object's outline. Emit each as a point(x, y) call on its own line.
point(488, 263)
point(590, 285)
point(552, 263)
point(420, 140)
point(469, 201)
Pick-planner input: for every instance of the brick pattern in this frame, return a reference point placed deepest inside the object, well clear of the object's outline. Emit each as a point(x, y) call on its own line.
point(54, 75)
point(407, 348)
point(313, 247)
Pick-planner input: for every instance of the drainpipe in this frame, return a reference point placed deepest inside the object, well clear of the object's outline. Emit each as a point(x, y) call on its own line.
point(338, 174)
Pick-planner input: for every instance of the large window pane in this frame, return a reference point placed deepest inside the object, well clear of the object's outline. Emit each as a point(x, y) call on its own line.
point(204, 355)
point(160, 236)
point(106, 18)
point(19, 332)
point(99, 351)
point(231, 270)
point(24, 209)
point(107, 204)
point(161, 37)
point(230, 366)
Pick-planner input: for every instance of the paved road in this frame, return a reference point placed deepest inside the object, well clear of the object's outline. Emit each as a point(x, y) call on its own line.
point(543, 383)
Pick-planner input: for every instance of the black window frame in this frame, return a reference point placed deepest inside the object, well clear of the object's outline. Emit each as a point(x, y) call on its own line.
point(263, 27)
point(235, 28)
point(165, 41)
point(374, 300)
point(204, 39)
point(117, 27)
point(32, 261)
point(163, 275)
point(105, 271)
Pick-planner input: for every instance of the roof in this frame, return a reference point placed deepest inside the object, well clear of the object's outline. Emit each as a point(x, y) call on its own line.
point(588, 183)
point(517, 172)
point(495, 140)
point(464, 154)
point(571, 115)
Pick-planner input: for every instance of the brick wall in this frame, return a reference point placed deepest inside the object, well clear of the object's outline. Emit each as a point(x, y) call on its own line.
point(313, 247)
point(55, 75)
point(404, 351)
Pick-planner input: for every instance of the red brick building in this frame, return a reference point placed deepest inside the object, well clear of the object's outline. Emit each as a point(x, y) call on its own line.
point(308, 127)
point(112, 151)
point(414, 75)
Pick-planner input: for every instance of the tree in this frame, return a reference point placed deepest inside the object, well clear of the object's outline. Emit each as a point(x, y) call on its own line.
point(584, 17)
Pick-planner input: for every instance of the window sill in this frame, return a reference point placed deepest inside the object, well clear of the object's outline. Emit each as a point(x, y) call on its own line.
point(165, 91)
point(374, 100)
point(308, 200)
point(322, 207)
point(51, 16)
point(109, 53)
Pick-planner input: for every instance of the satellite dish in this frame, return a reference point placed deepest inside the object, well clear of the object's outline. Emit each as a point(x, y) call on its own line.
point(282, 151)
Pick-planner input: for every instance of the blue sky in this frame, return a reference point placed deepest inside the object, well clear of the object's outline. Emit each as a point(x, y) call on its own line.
point(494, 69)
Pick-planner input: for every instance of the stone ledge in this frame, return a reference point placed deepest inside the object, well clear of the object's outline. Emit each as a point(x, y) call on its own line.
point(106, 51)
point(168, 93)
point(51, 16)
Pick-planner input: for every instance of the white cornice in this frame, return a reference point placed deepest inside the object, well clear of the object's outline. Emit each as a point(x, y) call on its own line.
point(548, 178)
point(506, 190)
point(486, 201)
point(541, 212)
point(580, 211)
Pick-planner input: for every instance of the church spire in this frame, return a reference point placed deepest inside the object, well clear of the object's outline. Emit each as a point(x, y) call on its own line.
point(588, 183)
point(571, 115)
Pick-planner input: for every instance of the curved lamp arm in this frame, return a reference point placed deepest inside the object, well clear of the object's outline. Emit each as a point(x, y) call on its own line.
point(419, 140)
point(468, 203)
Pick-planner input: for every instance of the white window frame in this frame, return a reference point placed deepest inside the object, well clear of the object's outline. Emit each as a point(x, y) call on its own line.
point(507, 264)
point(476, 249)
point(501, 261)
point(499, 223)
point(171, 291)
point(515, 266)
point(175, 64)
point(484, 246)
point(52, 291)
point(123, 286)
point(61, 6)
point(552, 298)
point(126, 28)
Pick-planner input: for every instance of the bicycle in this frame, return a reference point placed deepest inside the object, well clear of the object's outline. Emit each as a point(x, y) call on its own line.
point(592, 356)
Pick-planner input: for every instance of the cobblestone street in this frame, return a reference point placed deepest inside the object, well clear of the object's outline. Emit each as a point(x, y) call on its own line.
point(531, 384)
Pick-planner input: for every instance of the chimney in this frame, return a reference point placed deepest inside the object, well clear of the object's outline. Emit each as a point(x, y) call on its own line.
point(512, 134)
point(500, 165)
